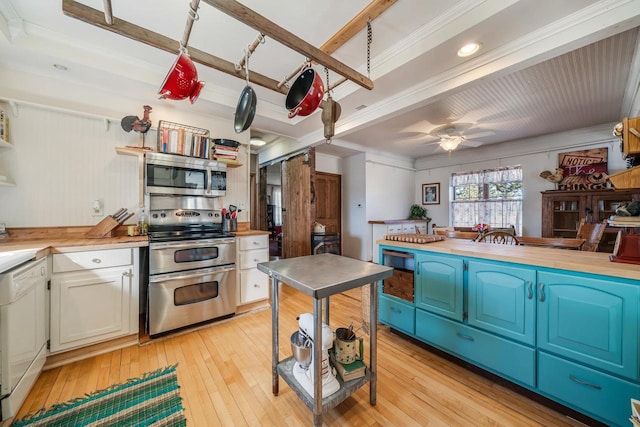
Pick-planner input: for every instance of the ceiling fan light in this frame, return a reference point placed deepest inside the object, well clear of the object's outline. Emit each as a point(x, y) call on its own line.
point(469, 49)
point(257, 142)
point(450, 143)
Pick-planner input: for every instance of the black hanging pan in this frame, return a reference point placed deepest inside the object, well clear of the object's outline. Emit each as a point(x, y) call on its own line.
point(246, 108)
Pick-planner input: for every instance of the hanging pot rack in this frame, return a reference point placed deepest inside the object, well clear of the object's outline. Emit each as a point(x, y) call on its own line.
point(252, 47)
point(247, 16)
point(193, 16)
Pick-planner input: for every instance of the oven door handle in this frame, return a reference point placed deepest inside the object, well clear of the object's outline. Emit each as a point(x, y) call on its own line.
point(191, 274)
point(191, 244)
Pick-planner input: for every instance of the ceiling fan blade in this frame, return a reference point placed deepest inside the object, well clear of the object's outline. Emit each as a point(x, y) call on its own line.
point(479, 134)
point(471, 143)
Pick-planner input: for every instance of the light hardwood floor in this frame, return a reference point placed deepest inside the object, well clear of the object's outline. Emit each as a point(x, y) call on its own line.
point(224, 371)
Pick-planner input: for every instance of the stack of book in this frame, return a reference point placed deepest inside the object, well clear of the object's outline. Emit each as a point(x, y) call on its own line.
point(349, 371)
point(624, 221)
point(225, 150)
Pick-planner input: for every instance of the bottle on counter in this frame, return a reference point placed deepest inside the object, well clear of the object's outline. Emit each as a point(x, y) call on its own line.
point(143, 221)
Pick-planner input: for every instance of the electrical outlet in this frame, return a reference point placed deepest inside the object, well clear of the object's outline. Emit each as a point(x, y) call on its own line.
point(97, 208)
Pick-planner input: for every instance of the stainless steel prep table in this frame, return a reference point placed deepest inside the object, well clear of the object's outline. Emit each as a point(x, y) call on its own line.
point(321, 276)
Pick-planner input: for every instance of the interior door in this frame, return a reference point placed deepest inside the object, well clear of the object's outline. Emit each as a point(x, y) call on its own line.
point(298, 204)
point(262, 199)
point(328, 196)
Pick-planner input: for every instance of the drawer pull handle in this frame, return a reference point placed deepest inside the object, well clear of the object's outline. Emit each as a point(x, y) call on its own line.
point(579, 381)
point(541, 288)
point(395, 310)
point(96, 260)
point(530, 289)
point(464, 337)
point(256, 243)
point(127, 274)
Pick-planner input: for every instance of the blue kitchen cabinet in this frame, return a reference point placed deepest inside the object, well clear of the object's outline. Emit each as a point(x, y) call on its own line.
point(501, 300)
point(589, 320)
point(396, 313)
point(439, 285)
point(569, 336)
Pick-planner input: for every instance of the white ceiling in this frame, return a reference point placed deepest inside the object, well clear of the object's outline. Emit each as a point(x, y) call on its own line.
point(546, 66)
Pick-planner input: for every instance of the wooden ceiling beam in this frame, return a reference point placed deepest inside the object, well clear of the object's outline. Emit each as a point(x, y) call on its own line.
point(95, 17)
point(258, 22)
point(359, 22)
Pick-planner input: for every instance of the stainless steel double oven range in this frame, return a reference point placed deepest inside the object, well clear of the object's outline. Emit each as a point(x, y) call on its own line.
point(192, 271)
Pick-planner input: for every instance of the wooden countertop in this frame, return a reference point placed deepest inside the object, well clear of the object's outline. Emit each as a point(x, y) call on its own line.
point(564, 259)
point(397, 221)
point(48, 240)
point(251, 233)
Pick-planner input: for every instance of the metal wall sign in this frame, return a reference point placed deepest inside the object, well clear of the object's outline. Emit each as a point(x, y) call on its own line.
point(584, 170)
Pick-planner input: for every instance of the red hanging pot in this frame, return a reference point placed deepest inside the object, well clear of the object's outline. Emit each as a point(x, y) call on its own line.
point(305, 94)
point(182, 80)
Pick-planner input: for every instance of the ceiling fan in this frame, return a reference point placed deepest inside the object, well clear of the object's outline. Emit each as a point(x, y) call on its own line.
point(450, 136)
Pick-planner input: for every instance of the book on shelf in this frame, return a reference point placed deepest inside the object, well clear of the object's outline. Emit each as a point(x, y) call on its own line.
point(624, 221)
point(349, 371)
point(618, 218)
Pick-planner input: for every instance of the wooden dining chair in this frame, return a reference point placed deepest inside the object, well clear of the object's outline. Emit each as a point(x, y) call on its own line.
point(499, 237)
point(592, 233)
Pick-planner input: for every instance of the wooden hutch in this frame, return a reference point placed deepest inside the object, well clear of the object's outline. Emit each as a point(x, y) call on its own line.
point(562, 210)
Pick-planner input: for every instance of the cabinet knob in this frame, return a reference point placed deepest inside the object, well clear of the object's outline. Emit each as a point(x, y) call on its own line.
point(127, 274)
point(255, 285)
point(96, 260)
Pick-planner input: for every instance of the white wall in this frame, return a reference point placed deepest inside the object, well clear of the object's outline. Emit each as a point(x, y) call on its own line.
point(64, 153)
point(328, 164)
point(354, 219)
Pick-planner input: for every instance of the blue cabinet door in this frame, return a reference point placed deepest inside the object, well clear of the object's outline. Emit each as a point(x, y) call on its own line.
point(589, 320)
point(439, 285)
point(397, 314)
point(501, 300)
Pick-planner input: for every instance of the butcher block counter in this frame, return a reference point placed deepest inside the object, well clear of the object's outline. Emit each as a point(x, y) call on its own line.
point(51, 240)
point(562, 323)
point(586, 262)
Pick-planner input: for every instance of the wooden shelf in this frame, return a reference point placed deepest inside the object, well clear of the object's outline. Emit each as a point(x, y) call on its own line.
point(630, 136)
point(131, 151)
point(229, 163)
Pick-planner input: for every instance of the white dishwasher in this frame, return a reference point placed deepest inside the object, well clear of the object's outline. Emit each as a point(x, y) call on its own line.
point(22, 332)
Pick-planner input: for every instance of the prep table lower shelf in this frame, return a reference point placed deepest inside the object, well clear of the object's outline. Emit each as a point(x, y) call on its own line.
point(285, 370)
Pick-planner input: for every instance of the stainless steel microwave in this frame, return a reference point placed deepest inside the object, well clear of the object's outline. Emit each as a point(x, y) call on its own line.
point(180, 175)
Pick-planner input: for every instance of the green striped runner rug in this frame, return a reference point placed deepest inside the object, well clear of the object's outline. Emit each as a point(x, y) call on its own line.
point(151, 400)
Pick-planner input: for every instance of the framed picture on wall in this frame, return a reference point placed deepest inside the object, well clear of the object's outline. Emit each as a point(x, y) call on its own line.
point(431, 194)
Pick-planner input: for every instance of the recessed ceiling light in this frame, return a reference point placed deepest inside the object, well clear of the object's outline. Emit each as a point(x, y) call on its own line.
point(469, 49)
point(60, 67)
point(257, 142)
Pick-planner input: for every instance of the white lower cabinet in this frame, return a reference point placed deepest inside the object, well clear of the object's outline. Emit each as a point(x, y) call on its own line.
point(254, 284)
point(94, 297)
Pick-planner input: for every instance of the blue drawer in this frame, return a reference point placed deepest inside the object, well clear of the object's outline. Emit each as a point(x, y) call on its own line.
point(592, 392)
point(397, 314)
point(508, 359)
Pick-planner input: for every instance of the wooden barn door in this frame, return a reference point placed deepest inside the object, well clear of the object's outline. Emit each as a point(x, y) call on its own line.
point(298, 204)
